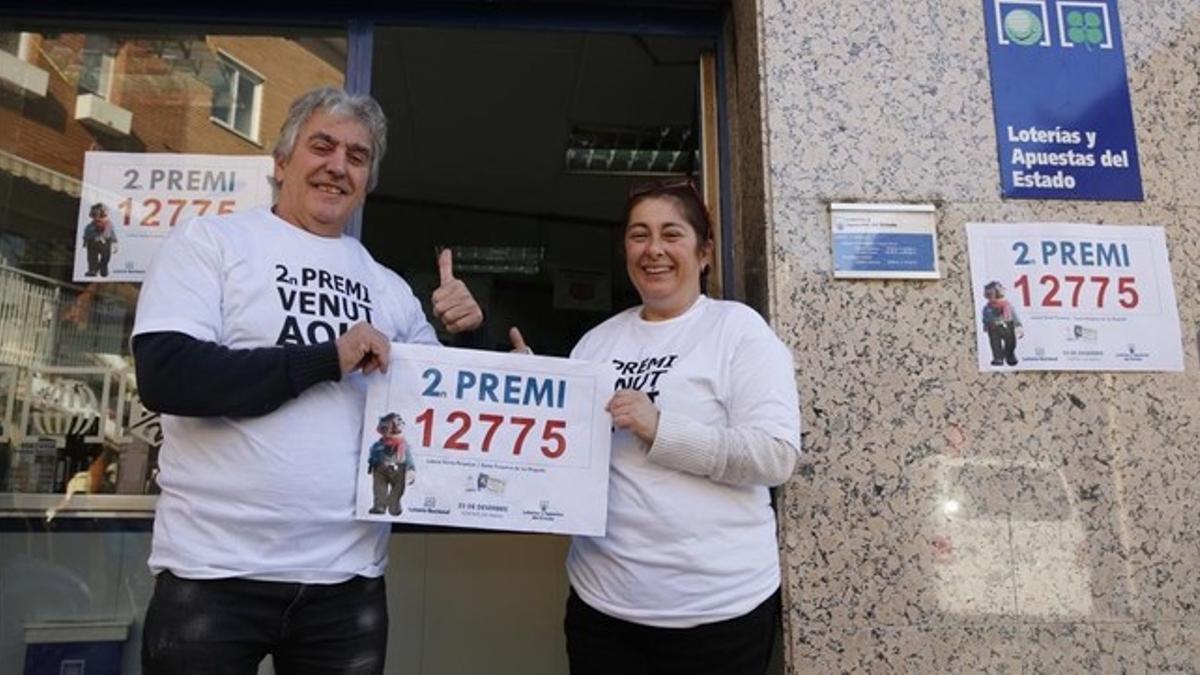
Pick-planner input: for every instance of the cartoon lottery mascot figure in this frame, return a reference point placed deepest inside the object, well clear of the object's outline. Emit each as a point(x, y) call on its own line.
point(389, 463)
point(100, 240)
point(1002, 325)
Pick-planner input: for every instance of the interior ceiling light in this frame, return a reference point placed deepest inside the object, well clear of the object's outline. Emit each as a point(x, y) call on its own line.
point(660, 150)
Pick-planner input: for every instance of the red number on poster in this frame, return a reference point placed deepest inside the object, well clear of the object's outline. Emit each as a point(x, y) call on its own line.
point(1127, 293)
point(526, 423)
point(460, 424)
point(495, 421)
point(426, 419)
point(1051, 286)
point(178, 208)
point(550, 433)
point(1101, 287)
point(453, 443)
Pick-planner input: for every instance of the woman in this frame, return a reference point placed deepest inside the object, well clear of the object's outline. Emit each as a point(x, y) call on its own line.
point(705, 418)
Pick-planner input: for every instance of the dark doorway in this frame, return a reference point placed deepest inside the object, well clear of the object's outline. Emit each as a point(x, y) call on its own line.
point(516, 148)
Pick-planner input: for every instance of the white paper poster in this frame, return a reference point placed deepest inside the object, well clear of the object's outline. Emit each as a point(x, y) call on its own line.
point(1061, 296)
point(130, 201)
point(488, 440)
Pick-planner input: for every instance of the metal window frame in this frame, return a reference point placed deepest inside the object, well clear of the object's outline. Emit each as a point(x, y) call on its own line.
point(242, 71)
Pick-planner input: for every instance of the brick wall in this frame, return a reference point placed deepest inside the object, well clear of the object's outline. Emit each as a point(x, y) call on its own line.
point(164, 83)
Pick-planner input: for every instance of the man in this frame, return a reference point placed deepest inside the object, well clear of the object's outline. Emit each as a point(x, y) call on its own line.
point(254, 334)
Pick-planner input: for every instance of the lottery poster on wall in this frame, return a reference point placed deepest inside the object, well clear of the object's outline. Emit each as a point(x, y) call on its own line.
point(488, 440)
point(130, 202)
point(1059, 296)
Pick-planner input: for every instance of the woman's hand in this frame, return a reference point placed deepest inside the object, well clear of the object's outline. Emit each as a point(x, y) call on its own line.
point(518, 341)
point(633, 411)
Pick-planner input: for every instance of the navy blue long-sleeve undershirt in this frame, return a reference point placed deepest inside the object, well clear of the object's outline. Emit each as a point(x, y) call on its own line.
point(178, 374)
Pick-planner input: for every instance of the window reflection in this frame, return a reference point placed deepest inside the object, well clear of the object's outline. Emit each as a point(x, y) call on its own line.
point(69, 411)
point(1007, 539)
point(96, 65)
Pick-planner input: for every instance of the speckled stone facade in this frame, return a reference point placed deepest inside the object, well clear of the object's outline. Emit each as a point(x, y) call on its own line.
point(1082, 553)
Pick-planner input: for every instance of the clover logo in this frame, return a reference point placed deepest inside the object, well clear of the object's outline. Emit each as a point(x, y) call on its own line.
point(1085, 28)
point(1084, 23)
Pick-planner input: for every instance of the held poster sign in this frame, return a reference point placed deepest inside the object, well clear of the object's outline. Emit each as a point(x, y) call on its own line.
point(486, 440)
point(1057, 296)
point(1064, 124)
point(130, 201)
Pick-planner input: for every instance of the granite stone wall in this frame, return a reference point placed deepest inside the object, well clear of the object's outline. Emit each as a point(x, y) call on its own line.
point(1082, 550)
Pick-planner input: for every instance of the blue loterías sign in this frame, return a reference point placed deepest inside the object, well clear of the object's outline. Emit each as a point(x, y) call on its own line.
point(1064, 125)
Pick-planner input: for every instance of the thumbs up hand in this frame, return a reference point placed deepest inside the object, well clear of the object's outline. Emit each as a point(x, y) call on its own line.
point(518, 341)
point(453, 303)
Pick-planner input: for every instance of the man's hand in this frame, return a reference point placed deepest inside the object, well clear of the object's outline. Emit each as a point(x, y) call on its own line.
point(453, 303)
point(632, 410)
point(518, 341)
point(363, 347)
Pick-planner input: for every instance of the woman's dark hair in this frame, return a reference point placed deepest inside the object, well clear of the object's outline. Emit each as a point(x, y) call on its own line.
point(97, 209)
point(686, 195)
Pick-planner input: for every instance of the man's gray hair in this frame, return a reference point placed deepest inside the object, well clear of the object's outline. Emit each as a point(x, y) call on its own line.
point(337, 102)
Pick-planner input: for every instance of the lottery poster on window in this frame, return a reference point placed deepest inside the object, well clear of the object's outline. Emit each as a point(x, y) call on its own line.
point(130, 202)
point(487, 440)
point(1061, 296)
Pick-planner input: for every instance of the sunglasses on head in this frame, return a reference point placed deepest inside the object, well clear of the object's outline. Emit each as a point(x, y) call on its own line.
point(665, 185)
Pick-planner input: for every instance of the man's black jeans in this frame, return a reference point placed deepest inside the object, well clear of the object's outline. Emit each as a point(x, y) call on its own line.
point(229, 625)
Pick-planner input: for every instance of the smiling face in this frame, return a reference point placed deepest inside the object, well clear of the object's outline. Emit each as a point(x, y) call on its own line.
point(326, 177)
point(664, 257)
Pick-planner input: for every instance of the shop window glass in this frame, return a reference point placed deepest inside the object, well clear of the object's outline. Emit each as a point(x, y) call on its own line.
point(70, 416)
point(236, 96)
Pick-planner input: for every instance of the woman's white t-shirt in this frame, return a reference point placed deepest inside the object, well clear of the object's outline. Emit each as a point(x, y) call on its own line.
point(680, 549)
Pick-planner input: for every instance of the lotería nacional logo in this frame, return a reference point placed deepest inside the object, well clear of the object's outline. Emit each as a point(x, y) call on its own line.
point(1081, 23)
point(1023, 27)
point(1022, 22)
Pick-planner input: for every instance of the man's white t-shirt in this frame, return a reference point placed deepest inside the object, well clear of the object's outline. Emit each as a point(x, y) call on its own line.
point(681, 549)
point(269, 497)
